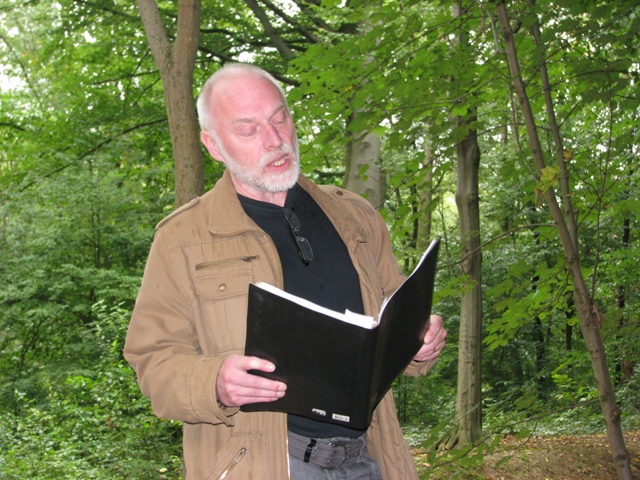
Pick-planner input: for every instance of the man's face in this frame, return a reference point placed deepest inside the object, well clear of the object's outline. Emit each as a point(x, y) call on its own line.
point(254, 136)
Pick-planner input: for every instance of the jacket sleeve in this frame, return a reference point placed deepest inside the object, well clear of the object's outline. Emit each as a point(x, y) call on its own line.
point(163, 349)
point(391, 275)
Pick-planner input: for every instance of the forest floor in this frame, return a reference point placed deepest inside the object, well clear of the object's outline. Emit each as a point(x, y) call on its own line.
point(579, 457)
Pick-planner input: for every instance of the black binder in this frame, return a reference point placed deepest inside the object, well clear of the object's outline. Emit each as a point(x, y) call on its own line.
point(337, 371)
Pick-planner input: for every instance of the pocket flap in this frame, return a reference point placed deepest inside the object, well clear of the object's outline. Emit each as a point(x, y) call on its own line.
point(224, 284)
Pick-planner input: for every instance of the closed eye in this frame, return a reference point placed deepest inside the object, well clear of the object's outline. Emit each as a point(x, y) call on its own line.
point(279, 118)
point(245, 130)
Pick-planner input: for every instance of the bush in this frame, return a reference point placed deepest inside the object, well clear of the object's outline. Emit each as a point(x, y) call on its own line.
point(93, 422)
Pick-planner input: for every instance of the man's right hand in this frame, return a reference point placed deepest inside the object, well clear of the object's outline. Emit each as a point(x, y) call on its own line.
point(235, 386)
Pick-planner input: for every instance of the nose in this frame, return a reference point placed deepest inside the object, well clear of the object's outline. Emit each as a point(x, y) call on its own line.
point(272, 137)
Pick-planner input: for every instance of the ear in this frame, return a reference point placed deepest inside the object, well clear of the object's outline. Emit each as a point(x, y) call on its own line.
point(210, 144)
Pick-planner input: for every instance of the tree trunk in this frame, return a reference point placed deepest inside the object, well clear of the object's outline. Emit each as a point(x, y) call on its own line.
point(363, 174)
point(588, 312)
point(469, 394)
point(624, 367)
point(469, 397)
point(572, 225)
point(426, 197)
point(176, 64)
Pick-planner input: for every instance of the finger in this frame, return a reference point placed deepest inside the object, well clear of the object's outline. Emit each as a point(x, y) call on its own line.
point(258, 383)
point(256, 389)
point(436, 332)
point(263, 391)
point(236, 386)
point(429, 352)
point(250, 363)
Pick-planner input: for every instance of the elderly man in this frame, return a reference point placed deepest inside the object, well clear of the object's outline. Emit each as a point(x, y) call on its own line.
point(187, 332)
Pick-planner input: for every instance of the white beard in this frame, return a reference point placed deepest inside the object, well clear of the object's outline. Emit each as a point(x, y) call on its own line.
point(255, 178)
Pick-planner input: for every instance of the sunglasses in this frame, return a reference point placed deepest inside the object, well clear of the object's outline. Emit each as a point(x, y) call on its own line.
point(303, 245)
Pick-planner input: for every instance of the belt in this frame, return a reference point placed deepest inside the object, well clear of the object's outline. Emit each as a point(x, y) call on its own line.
point(327, 453)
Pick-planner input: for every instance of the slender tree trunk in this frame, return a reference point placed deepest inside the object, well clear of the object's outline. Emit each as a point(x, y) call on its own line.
point(469, 397)
point(588, 312)
point(624, 367)
point(469, 393)
point(572, 225)
point(176, 64)
point(426, 197)
point(568, 328)
point(363, 173)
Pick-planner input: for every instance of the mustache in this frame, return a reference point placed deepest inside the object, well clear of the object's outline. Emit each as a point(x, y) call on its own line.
point(285, 148)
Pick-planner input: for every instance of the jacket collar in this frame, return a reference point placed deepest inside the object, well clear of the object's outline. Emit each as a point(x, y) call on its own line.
point(227, 217)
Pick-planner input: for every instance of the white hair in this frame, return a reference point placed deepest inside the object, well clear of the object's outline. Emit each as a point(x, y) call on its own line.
point(206, 108)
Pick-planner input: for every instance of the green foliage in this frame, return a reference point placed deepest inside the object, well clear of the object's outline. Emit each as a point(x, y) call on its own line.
point(84, 175)
point(90, 421)
point(436, 461)
point(86, 172)
point(416, 396)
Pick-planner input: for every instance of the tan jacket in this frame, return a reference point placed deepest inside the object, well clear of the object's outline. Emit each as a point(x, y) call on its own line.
point(190, 314)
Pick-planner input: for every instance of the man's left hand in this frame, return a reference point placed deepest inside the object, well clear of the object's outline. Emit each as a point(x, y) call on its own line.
point(433, 340)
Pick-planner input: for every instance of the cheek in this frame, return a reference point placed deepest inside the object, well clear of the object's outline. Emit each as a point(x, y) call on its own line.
point(292, 138)
point(243, 152)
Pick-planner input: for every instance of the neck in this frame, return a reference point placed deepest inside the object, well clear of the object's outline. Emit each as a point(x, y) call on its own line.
point(277, 198)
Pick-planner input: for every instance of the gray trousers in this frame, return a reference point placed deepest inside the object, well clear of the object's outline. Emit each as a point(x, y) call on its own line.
point(362, 467)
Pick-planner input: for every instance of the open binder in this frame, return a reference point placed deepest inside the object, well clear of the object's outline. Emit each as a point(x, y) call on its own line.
point(338, 366)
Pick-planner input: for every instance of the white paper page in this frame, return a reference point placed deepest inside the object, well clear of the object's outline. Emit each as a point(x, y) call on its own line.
point(364, 321)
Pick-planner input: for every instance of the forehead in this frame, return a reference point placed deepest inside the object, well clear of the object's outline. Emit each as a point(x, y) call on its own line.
point(245, 97)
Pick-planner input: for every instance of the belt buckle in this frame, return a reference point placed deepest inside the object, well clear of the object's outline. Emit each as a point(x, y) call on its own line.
point(337, 445)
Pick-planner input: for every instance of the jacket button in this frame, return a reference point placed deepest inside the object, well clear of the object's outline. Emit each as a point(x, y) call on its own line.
point(222, 287)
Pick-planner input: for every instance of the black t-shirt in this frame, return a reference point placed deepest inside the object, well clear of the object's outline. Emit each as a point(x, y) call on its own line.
point(329, 279)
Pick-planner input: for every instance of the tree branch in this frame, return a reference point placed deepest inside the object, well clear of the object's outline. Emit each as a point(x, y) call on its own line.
point(113, 11)
point(155, 31)
point(277, 41)
point(12, 125)
point(93, 150)
point(17, 59)
point(318, 22)
point(185, 48)
point(227, 59)
point(299, 28)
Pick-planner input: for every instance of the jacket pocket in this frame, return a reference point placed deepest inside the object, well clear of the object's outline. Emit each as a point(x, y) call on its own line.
point(227, 261)
point(222, 289)
point(244, 457)
point(224, 283)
